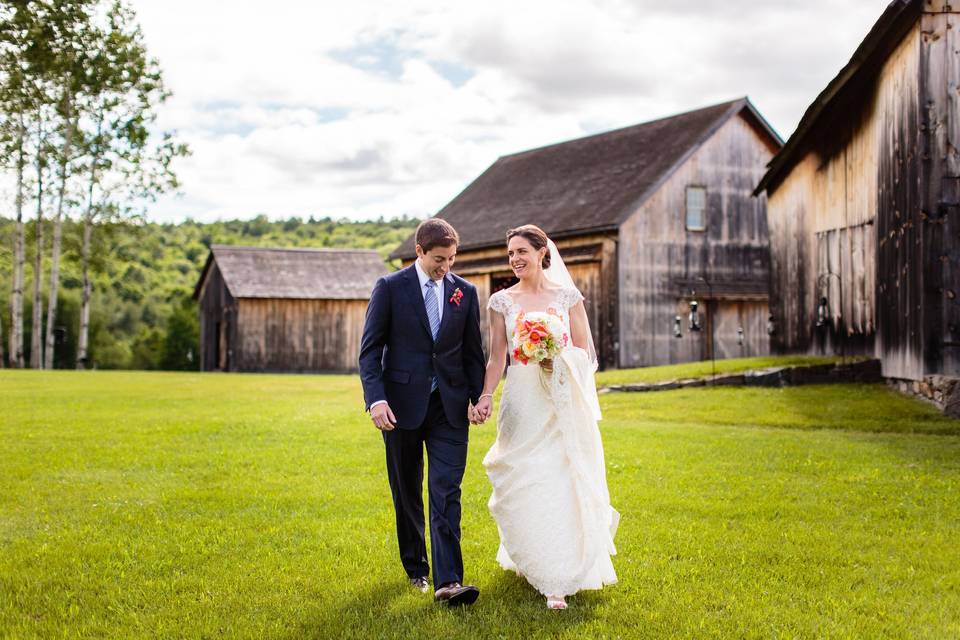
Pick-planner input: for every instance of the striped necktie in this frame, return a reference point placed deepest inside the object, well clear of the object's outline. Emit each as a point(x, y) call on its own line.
point(433, 315)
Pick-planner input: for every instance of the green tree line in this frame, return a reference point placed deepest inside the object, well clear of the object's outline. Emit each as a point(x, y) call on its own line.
point(142, 314)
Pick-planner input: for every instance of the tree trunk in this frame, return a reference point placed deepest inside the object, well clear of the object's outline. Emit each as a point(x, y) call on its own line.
point(55, 251)
point(82, 343)
point(16, 293)
point(36, 346)
point(52, 294)
point(85, 268)
point(85, 294)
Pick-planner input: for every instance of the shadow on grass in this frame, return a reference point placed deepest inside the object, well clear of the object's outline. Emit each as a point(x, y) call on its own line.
point(841, 407)
point(873, 408)
point(508, 607)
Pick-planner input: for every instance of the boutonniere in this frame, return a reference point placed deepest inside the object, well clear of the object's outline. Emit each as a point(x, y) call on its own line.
point(457, 296)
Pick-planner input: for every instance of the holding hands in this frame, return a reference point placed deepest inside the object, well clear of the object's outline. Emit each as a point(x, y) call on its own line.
point(480, 412)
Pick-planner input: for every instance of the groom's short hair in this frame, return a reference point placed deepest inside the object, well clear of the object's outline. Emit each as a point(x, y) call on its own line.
point(434, 232)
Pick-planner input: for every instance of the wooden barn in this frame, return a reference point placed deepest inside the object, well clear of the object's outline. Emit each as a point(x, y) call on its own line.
point(284, 310)
point(864, 202)
point(639, 215)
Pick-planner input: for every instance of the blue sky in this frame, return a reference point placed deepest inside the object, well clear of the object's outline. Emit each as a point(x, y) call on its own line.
point(368, 109)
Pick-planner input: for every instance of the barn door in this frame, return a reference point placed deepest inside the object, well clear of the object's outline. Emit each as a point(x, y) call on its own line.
point(217, 331)
point(223, 347)
point(727, 317)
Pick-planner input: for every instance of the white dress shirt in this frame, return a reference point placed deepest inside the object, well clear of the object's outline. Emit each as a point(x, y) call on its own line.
point(423, 277)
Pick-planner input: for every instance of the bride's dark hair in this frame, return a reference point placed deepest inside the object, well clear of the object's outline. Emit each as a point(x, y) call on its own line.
point(535, 236)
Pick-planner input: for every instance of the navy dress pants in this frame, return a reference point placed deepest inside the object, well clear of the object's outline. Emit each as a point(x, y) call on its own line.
point(446, 448)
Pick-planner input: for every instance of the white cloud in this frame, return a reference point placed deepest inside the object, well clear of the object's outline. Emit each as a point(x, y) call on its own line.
point(365, 109)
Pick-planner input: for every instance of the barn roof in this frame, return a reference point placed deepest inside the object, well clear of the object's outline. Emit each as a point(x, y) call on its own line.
point(585, 185)
point(259, 272)
point(850, 87)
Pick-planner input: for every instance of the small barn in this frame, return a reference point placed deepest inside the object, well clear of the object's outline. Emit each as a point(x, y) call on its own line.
point(284, 310)
point(647, 218)
point(864, 203)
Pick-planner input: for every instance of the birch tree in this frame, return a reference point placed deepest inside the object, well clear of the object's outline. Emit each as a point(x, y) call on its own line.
point(75, 33)
point(77, 113)
point(15, 104)
point(16, 291)
point(36, 346)
point(126, 87)
point(47, 47)
point(39, 49)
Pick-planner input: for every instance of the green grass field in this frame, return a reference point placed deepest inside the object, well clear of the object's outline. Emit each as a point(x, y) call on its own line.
point(203, 506)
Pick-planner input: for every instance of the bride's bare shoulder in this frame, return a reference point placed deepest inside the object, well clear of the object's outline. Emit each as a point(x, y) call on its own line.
point(559, 289)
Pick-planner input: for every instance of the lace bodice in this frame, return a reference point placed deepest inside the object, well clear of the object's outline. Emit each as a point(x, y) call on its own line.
point(503, 303)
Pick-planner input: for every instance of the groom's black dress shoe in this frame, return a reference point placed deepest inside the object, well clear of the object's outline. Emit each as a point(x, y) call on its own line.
point(456, 594)
point(420, 584)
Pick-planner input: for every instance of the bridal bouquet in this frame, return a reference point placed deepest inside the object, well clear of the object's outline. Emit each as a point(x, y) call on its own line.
point(537, 337)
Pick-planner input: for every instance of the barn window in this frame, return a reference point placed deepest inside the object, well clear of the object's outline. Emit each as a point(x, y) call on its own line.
point(696, 208)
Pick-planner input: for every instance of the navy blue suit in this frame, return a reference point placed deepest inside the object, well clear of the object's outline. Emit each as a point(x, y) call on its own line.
point(398, 361)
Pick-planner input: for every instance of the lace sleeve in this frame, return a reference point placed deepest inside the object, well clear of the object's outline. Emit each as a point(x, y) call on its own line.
point(499, 303)
point(569, 297)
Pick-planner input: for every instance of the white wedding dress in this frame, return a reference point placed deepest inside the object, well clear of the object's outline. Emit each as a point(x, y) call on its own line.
point(550, 499)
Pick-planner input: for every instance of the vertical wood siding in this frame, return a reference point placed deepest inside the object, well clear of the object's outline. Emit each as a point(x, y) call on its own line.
point(792, 243)
point(939, 226)
point(877, 200)
point(656, 251)
point(282, 335)
point(850, 207)
point(217, 310)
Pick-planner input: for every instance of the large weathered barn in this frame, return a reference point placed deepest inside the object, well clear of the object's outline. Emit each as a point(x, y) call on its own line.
point(864, 202)
point(297, 310)
point(639, 214)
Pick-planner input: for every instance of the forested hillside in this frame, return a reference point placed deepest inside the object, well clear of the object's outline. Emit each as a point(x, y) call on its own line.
point(142, 314)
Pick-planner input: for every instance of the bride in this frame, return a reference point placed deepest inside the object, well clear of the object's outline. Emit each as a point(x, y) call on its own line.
point(550, 498)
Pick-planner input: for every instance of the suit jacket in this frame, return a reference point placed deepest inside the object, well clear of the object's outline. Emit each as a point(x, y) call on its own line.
point(398, 356)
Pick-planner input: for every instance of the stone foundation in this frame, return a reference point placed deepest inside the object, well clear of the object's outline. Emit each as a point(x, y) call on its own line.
point(941, 391)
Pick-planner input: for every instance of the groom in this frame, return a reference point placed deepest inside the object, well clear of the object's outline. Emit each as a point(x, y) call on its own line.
point(422, 367)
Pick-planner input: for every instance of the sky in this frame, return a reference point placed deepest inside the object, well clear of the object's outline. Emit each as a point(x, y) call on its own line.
point(365, 109)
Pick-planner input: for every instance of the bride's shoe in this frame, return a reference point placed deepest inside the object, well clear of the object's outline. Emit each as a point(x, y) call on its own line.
point(556, 602)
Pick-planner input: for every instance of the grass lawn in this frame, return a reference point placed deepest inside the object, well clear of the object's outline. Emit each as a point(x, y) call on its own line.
point(703, 369)
point(186, 505)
